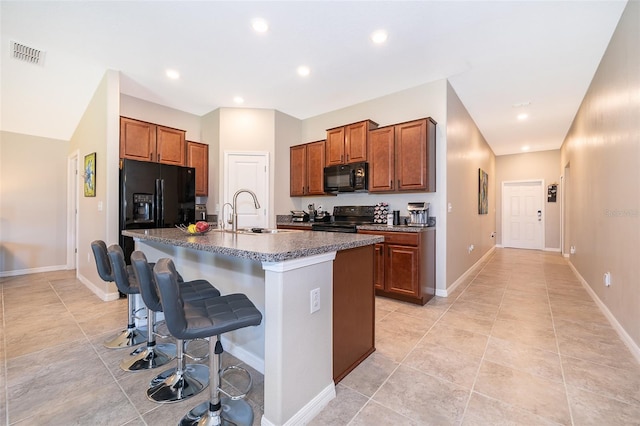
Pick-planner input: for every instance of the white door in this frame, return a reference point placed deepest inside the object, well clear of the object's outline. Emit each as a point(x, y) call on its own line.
point(522, 215)
point(248, 170)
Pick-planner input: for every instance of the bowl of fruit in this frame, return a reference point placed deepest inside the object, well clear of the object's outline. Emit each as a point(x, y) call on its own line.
point(199, 228)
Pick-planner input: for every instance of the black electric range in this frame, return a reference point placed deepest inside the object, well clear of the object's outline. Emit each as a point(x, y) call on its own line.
point(346, 219)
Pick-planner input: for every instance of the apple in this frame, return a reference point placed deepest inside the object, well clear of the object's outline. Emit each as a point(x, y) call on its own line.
point(202, 226)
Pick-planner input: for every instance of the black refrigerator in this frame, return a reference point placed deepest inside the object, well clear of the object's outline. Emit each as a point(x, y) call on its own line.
point(154, 195)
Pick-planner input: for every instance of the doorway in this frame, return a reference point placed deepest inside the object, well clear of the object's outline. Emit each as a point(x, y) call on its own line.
point(523, 214)
point(248, 170)
point(72, 210)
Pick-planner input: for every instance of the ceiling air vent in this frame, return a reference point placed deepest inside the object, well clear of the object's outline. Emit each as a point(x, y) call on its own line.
point(27, 54)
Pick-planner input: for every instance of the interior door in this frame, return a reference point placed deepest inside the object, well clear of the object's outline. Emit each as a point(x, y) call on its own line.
point(247, 170)
point(522, 215)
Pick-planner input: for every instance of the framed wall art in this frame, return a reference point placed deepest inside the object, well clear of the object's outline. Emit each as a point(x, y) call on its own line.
point(89, 174)
point(483, 191)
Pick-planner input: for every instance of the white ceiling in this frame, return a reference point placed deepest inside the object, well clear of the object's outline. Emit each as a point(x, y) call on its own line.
point(494, 53)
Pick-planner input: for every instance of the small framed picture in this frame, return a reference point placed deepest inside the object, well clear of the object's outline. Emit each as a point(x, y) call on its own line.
point(483, 192)
point(90, 175)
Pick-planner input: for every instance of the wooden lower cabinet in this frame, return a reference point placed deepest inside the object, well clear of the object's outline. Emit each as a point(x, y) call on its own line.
point(353, 309)
point(405, 265)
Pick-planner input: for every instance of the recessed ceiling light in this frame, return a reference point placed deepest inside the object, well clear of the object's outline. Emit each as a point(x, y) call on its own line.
point(379, 36)
point(238, 100)
point(521, 104)
point(523, 116)
point(259, 25)
point(304, 70)
point(173, 74)
point(525, 148)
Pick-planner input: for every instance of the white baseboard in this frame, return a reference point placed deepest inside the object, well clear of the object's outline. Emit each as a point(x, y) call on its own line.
point(452, 287)
point(567, 255)
point(18, 272)
point(107, 297)
point(242, 354)
point(552, 249)
point(310, 410)
point(633, 347)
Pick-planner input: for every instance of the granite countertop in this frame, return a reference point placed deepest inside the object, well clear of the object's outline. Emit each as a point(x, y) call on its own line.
point(262, 247)
point(372, 227)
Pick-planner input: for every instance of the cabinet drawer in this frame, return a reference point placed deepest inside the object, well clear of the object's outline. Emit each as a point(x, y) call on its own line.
point(400, 238)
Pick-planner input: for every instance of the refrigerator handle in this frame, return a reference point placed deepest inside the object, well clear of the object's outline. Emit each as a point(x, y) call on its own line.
point(158, 203)
point(162, 224)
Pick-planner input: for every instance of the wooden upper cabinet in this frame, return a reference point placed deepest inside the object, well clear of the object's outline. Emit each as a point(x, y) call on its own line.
point(198, 158)
point(144, 141)
point(348, 144)
point(137, 140)
point(307, 169)
point(170, 146)
point(415, 156)
point(298, 170)
point(402, 157)
point(315, 168)
point(381, 159)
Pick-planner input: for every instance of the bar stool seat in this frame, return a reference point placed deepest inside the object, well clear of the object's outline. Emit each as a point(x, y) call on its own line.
point(185, 380)
point(207, 318)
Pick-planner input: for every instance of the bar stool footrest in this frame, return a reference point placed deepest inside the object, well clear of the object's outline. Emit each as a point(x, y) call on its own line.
point(234, 412)
point(235, 368)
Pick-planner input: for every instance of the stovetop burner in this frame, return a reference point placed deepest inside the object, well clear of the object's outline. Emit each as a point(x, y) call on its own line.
point(346, 219)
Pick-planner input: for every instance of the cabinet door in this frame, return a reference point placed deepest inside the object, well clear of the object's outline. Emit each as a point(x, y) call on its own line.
point(381, 159)
point(355, 142)
point(198, 157)
point(411, 156)
point(378, 267)
point(171, 147)
point(137, 140)
point(335, 146)
point(402, 270)
point(315, 168)
point(298, 170)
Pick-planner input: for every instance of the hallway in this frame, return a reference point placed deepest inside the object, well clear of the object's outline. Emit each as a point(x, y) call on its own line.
point(521, 342)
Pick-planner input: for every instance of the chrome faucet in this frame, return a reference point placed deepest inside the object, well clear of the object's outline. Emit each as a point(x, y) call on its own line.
point(224, 221)
point(234, 207)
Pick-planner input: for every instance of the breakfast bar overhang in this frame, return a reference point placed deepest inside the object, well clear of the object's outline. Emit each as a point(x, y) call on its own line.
point(292, 347)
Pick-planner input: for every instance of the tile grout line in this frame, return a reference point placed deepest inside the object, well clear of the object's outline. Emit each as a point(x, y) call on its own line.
point(555, 334)
point(98, 355)
point(486, 346)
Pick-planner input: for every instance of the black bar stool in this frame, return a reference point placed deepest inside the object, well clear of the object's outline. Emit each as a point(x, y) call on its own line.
point(207, 318)
point(153, 355)
point(131, 336)
point(178, 383)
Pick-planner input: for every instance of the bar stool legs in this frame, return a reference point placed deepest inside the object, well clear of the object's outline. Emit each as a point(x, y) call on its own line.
point(129, 337)
point(229, 410)
point(178, 383)
point(152, 355)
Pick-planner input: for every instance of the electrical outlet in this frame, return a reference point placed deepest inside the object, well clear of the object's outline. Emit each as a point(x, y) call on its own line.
point(470, 248)
point(572, 250)
point(315, 300)
point(607, 279)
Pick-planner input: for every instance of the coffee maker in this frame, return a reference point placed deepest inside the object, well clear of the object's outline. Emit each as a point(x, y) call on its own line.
point(418, 214)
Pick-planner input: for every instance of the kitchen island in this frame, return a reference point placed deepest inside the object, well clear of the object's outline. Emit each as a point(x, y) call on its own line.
point(292, 347)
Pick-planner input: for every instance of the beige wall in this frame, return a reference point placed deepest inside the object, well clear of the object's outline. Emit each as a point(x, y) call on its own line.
point(287, 134)
point(33, 197)
point(98, 131)
point(467, 151)
point(602, 150)
point(543, 165)
point(158, 114)
point(210, 124)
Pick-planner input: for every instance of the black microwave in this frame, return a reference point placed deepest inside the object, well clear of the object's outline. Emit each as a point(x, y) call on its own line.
point(346, 178)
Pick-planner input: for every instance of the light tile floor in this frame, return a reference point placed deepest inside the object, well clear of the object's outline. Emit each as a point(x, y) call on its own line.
point(521, 343)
